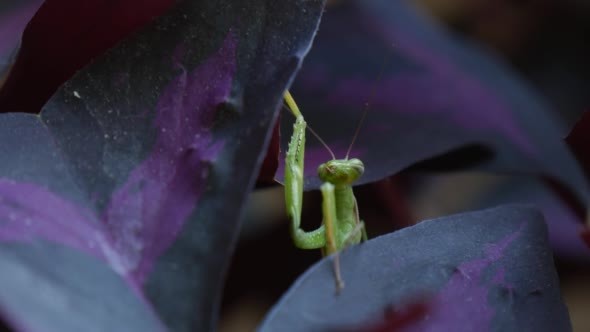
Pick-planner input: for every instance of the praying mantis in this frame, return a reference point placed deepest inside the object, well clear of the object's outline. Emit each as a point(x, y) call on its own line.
point(341, 226)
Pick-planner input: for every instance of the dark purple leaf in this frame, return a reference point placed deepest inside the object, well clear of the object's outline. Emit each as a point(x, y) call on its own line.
point(563, 224)
point(490, 270)
point(396, 319)
point(14, 16)
point(436, 94)
point(64, 36)
point(138, 167)
point(54, 288)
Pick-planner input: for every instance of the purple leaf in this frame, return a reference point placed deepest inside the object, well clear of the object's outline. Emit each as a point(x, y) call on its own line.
point(58, 43)
point(146, 211)
point(168, 184)
point(14, 16)
point(394, 319)
point(51, 218)
point(139, 165)
point(486, 271)
point(563, 224)
point(49, 287)
point(437, 94)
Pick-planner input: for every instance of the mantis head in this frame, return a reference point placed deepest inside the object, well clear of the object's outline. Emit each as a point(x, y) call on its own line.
point(341, 171)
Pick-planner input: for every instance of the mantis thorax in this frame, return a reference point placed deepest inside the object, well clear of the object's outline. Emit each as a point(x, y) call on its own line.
point(341, 172)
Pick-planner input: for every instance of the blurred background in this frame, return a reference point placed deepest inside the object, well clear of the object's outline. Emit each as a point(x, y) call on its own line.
point(547, 43)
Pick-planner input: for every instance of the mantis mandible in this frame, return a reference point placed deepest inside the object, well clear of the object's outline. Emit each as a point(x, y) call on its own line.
point(341, 225)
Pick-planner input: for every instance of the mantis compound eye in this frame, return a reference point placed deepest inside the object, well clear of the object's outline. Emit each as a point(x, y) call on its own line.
point(341, 171)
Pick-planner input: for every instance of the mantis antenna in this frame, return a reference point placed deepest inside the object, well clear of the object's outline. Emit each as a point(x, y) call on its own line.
point(366, 108)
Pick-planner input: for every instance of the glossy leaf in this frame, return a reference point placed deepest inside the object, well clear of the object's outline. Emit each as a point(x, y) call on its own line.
point(137, 168)
point(481, 271)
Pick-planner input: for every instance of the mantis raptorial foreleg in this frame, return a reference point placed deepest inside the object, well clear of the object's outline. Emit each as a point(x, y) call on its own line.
point(341, 225)
point(294, 186)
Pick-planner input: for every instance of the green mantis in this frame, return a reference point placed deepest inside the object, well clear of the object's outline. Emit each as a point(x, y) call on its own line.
point(341, 225)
